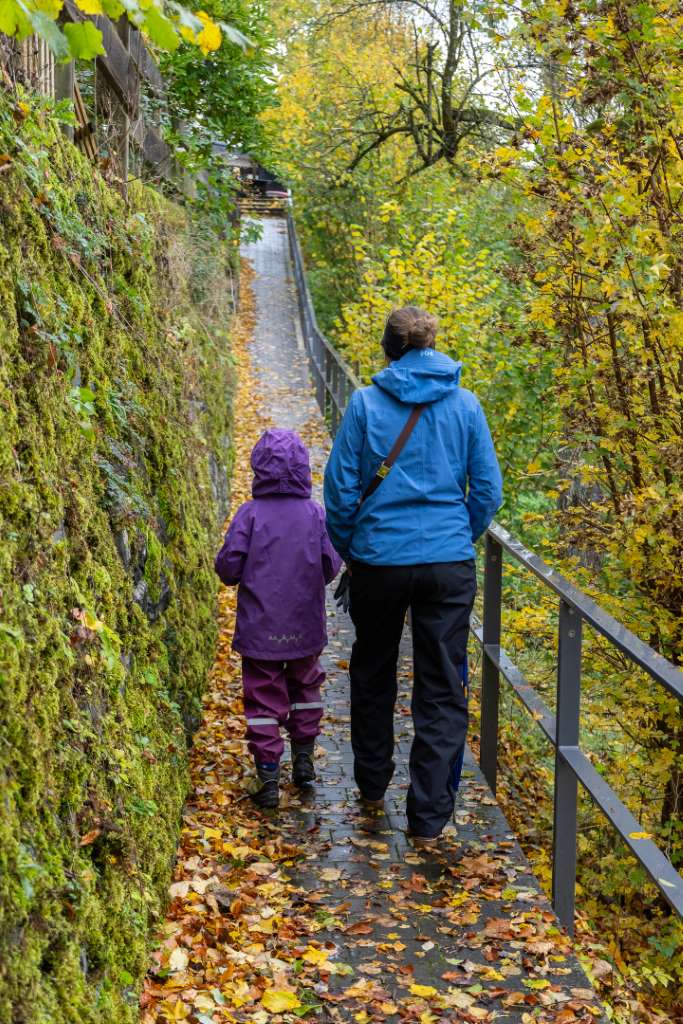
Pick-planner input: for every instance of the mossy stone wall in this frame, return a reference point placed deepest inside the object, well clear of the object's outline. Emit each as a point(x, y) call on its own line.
point(115, 406)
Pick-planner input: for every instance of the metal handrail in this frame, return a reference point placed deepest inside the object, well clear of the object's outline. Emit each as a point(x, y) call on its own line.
point(334, 379)
point(627, 642)
point(562, 730)
point(335, 382)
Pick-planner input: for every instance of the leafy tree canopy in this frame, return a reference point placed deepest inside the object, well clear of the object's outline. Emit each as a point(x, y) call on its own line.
point(221, 95)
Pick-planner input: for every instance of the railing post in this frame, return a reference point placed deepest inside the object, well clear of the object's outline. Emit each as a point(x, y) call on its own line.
point(565, 804)
point(328, 381)
point(490, 676)
point(319, 372)
point(335, 399)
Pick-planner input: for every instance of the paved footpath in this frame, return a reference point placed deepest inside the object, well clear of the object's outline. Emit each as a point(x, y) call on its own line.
point(467, 920)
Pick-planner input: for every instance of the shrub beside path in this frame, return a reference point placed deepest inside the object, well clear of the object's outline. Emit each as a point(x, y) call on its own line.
point(322, 910)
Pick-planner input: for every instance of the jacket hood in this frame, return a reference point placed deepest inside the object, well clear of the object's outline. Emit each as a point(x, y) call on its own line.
point(281, 466)
point(421, 375)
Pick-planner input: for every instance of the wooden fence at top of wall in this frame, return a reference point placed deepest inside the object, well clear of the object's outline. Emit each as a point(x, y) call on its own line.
point(118, 121)
point(38, 64)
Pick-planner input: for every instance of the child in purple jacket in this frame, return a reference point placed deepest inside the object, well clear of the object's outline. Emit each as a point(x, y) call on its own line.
point(278, 551)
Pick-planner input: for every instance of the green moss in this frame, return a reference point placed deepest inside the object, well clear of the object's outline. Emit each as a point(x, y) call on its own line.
point(115, 384)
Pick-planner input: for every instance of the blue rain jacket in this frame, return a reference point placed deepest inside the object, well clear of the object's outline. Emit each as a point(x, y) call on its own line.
point(445, 486)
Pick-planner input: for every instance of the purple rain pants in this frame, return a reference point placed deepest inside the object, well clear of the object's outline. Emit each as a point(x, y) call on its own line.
point(281, 693)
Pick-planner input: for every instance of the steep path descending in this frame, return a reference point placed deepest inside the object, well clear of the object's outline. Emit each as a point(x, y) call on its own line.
point(323, 910)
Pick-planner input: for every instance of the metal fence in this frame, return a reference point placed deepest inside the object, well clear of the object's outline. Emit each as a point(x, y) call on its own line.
point(334, 379)
point(334, 384)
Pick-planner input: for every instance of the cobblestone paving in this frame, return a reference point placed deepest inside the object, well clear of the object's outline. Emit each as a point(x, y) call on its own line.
point(468, 919)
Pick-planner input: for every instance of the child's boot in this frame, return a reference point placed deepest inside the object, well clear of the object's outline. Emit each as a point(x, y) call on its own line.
point(303, 769)
point(269, 793)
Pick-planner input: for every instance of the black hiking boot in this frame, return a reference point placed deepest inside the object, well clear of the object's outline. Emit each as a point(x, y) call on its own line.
point(268, 795)
point(303, 769)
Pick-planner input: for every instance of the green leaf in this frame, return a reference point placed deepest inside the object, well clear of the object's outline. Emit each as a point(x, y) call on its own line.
point(9, 17)
point(160, 30)
point(113, 9)
point(336, 967)
point(85, 41)
point(13, 20)
point(50, 31)
point(64, 112)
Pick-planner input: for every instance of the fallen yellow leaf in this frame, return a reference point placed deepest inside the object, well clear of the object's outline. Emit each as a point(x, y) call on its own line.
point(493, 975)
point(424, 991)
point(278, 1002)
point(213, 833)
point(175, 1011)
point(314, 956)
point(265, 927)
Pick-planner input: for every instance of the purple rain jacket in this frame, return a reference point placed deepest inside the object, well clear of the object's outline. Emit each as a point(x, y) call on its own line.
point(278, 550)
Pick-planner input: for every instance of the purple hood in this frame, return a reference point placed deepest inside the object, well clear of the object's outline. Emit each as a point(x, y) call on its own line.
point(278, 551)
point(280, 464)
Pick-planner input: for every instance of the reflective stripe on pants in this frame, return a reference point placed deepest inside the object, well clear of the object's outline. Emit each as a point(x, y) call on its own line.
point(281, 693)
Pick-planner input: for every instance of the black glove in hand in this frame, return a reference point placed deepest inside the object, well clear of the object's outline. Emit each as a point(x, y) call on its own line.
point(342, 594)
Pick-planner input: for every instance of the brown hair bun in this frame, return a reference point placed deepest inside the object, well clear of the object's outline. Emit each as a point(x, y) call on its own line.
point(408, 328)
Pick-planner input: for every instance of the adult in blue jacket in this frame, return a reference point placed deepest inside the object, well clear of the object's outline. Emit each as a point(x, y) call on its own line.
point(411, 545)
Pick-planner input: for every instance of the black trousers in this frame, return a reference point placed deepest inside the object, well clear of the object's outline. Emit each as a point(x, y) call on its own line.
point(440, 597)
